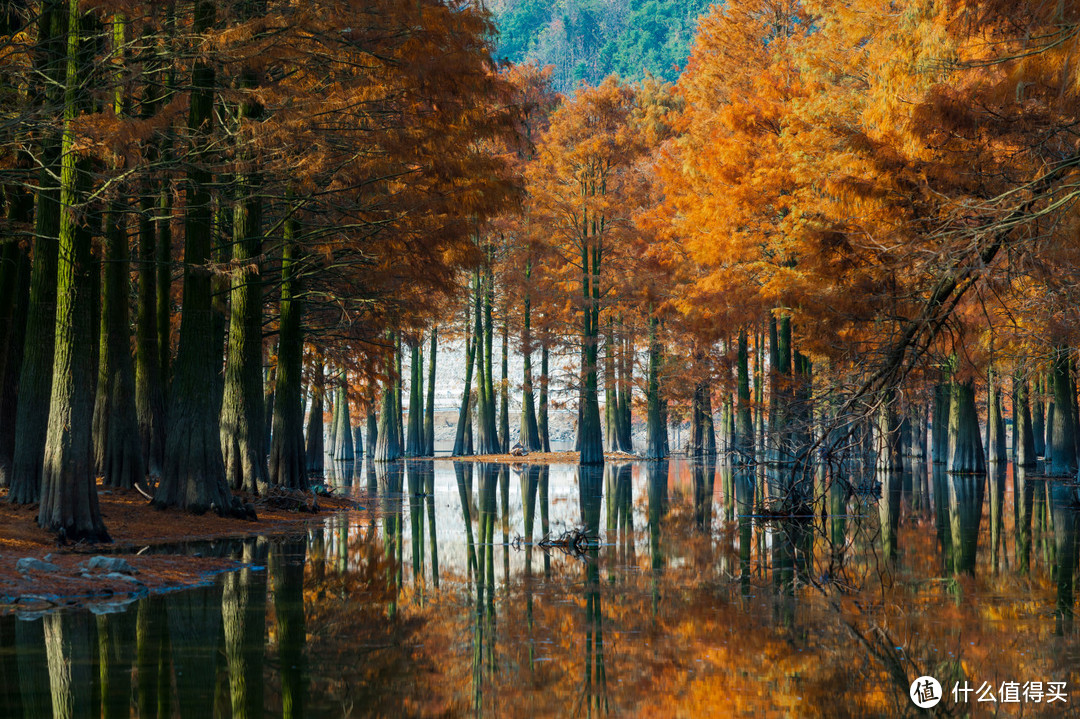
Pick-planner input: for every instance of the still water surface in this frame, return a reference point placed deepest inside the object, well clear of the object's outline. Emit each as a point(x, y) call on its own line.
point(434, 601)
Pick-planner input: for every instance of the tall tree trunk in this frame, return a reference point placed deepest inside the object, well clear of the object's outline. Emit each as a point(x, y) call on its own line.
point(464, 414)
point(287, 460)
point(389, 447)
point(529, 432)
point(399, 410)
point(15, 299)
point(314, 450)
point(118, 454)
point(149, 393)
point(611, 402)
point(744, 427)
point(481, 383)
point(35, 376)
point(656, 426)
point(995, 424)
point(1023, 436)
point(193, 477)
point(269, 383)
point(414, 443)
point(1038, 421)
point(149, 388)
point(491, 409)
point(243, 422)
point(429, 414)
point(221, 253)
point(331, 448)
point(1063, 449)
point(345, 451)
point(940, 430)
point(504, 394)
point(625, 393)
point(542, 418)
point(164, 288)
point(965, 444)
point(590, 432)
point(69, 501)
point(372, 428)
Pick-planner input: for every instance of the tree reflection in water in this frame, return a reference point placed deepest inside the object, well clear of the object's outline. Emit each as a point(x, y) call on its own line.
point(679, 609)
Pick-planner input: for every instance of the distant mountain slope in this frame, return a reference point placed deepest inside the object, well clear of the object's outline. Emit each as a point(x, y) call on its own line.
point(591, 39)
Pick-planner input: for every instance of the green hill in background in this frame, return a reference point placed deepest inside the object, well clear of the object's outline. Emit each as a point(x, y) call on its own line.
point(591, 39)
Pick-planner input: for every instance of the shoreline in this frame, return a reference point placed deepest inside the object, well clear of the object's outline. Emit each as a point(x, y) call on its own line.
point(135, 527)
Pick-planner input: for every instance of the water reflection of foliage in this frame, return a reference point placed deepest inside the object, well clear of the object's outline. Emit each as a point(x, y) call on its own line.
point(679, 610)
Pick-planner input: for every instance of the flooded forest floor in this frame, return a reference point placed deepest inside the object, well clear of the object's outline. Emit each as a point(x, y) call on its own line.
point(159, 547)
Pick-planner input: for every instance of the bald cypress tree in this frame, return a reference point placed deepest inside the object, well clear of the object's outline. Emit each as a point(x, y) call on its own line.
point(193, 476)
point(69, 502)
point(35, 376)
point(287, 459)
point(243, 408)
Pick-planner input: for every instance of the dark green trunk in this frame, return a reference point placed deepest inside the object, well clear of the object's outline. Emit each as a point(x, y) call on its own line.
point(35, 376)
point(414, 443)
point(314, 449)
point(1038, 422)
point(14, 299)
point(429, 414)
point(149, 392)
point(331, 447)
point(965, 444)
point(243, 421)
point(163, 300)
point(1023, 436)
point(542, 416)
point(504, 395)
point(193, 477)
point(269, 382)
point(345, 452)
point(529, 432)
point(1063, 448)
point(656, 426)
point(388, 448)
point(625, 393)
point(399, 409)
point(940, 431)
point(372, 429)
point(485, 403)
point(744, 427)
point(118, 454)
point(287, 460)
point(464, 414)
point(491, 418)
point(995, 425)
point(611, 402)
point(221, 253)
point(69, 502)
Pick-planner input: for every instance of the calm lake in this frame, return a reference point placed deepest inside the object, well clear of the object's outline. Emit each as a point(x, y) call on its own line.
point(670, 591)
